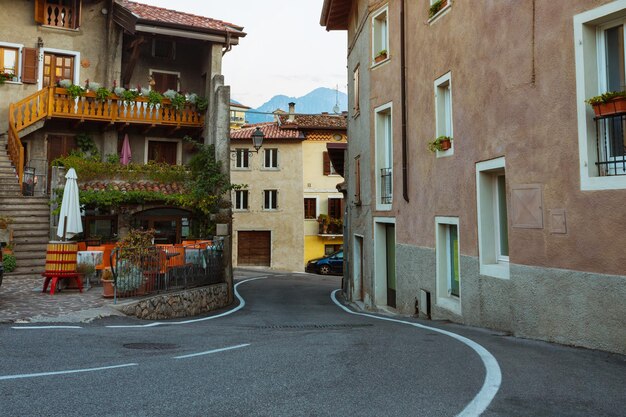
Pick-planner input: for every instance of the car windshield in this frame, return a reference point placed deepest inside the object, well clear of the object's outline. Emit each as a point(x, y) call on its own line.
point(338, 254)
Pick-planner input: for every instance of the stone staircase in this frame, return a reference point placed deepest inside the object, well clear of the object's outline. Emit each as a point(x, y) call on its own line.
point(31, 215)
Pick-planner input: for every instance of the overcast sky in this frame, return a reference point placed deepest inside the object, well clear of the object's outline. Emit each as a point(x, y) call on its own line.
point(285, 52)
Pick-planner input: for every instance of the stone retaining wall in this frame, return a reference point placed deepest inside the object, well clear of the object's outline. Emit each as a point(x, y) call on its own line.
point(185, 303)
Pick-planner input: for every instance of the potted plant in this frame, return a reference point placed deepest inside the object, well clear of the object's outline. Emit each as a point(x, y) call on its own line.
point(609, 103)
point(336, 226)
point(202, 104)
point(7, 249)
point(103, 94)
point(74, 91)
point(442, 143)
point(9, 263)
point(107, 283)
point(323, 221)
point(155, 98)
point(5, 76)
point(5, 233)
point(381, 56)
point(436, 6)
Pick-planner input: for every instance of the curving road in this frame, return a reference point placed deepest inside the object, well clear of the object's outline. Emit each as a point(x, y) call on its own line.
point(290, 350)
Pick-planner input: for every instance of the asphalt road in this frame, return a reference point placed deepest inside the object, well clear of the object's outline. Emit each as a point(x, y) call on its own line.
point(291, 351)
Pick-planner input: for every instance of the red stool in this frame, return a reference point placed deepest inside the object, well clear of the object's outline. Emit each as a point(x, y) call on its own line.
point(56, 276)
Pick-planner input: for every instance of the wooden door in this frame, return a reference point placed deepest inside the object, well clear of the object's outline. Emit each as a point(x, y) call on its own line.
point(162, 152)
point(254, 248)
point(59, 145)
point(57, 67)
point(164, 81)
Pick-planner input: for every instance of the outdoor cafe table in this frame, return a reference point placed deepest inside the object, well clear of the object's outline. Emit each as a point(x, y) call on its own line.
point(89, 257)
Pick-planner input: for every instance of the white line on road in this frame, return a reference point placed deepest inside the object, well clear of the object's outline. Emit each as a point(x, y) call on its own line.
point(208, 352)
point(242, 303)
point(44, 327)
point(493, 376)
point(71, 371)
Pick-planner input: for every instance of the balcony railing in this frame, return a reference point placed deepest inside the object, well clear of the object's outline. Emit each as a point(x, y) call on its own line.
point(386, 188)
point(60, 16)
point(611, 145)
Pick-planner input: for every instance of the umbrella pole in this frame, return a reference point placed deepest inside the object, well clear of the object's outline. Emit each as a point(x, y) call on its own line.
point(64, 226)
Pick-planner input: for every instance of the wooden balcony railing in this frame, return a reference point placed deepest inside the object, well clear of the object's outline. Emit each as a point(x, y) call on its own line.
point(54, 102)
point(60, 16)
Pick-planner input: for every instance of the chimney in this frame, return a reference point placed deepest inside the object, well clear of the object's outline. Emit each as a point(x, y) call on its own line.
point(292, 112)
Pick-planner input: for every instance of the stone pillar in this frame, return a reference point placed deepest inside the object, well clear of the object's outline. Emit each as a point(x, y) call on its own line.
point(109, 143)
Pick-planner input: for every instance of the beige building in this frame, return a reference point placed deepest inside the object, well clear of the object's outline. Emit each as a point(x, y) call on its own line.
point(238, 115)
point(519, 225)
point(290, 183)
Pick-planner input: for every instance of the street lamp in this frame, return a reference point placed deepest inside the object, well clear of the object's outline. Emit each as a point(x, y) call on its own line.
point(257, 142)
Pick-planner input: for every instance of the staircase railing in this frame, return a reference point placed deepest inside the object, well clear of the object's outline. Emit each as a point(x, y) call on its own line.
point(16, 152)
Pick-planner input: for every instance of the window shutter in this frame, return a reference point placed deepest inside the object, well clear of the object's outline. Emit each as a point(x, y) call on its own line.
point(29, 65)
point(326, 164)
point(39, 11)
point(77, 13)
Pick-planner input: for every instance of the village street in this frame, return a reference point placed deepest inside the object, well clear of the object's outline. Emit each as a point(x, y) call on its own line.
point(289, 350)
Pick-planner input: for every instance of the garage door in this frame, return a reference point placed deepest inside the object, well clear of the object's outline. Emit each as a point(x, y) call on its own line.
point(253, 248)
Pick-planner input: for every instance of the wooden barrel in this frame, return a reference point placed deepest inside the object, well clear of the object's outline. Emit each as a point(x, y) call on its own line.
point(61, 257)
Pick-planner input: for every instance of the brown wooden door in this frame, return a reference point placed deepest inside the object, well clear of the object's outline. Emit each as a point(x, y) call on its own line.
point(254, 248)
point(57, 67)
point(59, 145)
point(162, 152)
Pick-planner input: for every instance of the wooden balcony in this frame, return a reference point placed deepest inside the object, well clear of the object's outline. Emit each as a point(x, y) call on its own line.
point(54, 102)
point(60, 16)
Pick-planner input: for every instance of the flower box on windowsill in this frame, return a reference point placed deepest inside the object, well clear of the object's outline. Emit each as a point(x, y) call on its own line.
point(611, 107)
point(380, 57)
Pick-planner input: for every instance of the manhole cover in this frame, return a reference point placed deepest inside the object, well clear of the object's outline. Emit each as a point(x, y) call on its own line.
point(315, 326)
point(150, 346)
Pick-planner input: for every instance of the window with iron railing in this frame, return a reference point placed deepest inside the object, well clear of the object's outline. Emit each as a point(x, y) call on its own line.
point(611, 145)
point(386, 183)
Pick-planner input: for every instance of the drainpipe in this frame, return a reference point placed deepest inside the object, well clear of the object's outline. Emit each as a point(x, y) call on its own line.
point(405, 179)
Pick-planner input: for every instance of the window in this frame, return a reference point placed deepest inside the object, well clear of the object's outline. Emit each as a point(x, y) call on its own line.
point(355, 87)
point(330, 249)
point(448, 263)
point(443, 110)
point(58, 13)
point(165, 80)
point(493, 236)
point(600, 60)
point(270, 200)
point(334, 208)
point(164, 48)
point(241, 160)
point(327, 166)
point(437, 7)
point(384, 157)
point(310, 208)
point(271, 158)
point(168, 152)
point(357, 180)
point(8, 60)
point(241, 199)
point(380, 35)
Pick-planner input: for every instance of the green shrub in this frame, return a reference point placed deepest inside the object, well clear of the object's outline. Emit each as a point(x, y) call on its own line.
point(9, 263)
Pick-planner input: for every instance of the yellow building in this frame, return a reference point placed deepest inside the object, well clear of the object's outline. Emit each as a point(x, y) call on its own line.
point(294, 163)
point(237, 115)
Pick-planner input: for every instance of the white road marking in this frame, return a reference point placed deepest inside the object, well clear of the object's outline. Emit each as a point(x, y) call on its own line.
point(242, 303)
point(493, 375)
point(44, 327)
point(208, 352)
point(71, 371)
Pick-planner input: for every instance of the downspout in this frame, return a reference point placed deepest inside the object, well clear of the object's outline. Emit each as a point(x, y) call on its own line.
point(229, 46)
point(405, 179)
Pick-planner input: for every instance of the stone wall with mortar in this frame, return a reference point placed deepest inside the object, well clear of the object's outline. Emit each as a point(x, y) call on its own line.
point(180, 304)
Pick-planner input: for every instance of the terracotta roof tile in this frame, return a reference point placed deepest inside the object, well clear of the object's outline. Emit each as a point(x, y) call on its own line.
point(170, 188)
point(271, 130)
point(314, 121)
point(161, 15)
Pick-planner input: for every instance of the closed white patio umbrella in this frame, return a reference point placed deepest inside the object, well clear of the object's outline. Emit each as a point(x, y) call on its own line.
point(70, 223)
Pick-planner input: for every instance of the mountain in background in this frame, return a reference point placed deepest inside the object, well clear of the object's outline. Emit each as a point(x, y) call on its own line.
point(317, 101)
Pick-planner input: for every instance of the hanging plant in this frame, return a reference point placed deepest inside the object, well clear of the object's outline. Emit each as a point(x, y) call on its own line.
point(154, 97)
point(202, 104)
point(75, 91)
point(178, 102)
point(103, 94)
point(129, 96)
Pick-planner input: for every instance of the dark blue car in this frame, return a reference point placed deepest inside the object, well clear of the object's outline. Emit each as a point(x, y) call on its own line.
point(329, 264)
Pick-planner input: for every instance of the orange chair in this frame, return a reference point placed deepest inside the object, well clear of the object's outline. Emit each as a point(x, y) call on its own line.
point(106, 257)
point(82, 246)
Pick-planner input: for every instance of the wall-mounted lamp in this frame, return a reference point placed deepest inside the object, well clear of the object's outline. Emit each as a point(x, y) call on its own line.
point(257, 142)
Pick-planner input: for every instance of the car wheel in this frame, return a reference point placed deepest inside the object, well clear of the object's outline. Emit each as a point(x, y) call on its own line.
point(324, 269)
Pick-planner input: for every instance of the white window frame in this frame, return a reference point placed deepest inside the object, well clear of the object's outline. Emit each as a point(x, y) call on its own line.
point(76, 56)
point(274, 200)
point(380, 34)
point(239, 160)
point(588, 84)
point(444, 297)
point(441, 11)
point(384, 150)
point(444, 125)
point(241, 193)
point(273, 159)
point(18, 60)
point(491, 263)
point(179, 148)
point(356, 108)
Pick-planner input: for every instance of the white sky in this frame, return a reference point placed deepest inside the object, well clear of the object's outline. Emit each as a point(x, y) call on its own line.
point(285, 52)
